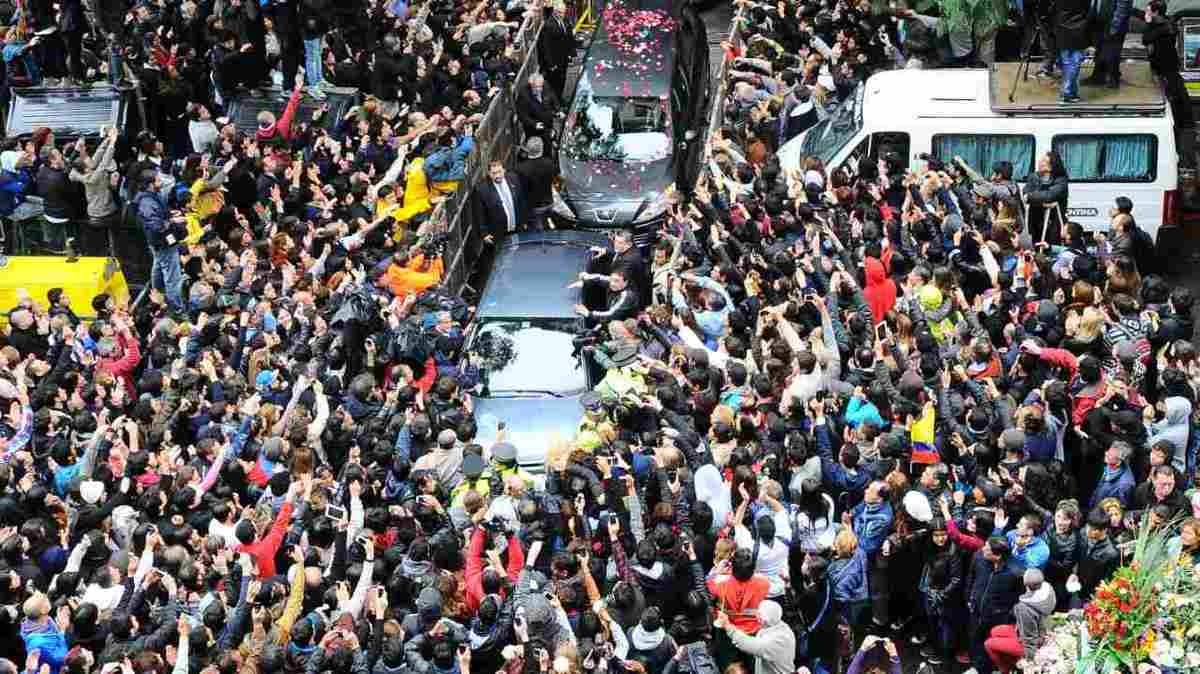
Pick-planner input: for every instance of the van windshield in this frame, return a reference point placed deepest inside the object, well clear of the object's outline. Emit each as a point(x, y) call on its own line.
point(831, 134)
point(612, 128)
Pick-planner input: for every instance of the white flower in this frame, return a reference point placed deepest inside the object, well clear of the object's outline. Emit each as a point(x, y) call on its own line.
point(1162, 654)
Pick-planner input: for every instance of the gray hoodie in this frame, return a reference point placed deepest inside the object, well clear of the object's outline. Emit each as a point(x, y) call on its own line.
point(1173, 428)
point(774, 647)
point(1031, 612)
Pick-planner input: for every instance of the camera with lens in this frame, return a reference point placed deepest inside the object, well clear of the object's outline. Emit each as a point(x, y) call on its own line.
point(434, 246)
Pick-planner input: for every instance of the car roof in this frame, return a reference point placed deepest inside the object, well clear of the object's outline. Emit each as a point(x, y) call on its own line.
point(615, 69)
point(532, 270)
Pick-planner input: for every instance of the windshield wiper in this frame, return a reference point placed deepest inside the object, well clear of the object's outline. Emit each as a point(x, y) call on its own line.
point(528, 391)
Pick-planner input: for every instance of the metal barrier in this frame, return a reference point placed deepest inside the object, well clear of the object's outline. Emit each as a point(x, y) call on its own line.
point(717, 114)
point(495, 138)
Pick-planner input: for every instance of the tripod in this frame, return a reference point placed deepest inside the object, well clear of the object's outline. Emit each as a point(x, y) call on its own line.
point(1023, 69)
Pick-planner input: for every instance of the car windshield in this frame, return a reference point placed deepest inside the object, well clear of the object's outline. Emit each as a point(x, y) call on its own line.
point(528, 356)
point(612, 128)
point(831, 134)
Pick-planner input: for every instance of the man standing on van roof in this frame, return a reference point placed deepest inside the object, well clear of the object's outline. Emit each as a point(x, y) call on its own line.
point(1112, 23)
point(1072, 38)
point(1161, 48)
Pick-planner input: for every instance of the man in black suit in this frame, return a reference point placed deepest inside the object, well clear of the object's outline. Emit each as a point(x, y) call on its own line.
point(501, 203)
point(556, 45)
point(537, 108)
point(624, 258)
point(385, 79)
point(537, 173)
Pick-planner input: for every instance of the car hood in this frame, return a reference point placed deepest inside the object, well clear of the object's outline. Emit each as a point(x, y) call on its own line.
point(607, 183)
point(531, 424)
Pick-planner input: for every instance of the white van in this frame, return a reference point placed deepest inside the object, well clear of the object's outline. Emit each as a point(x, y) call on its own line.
point(1117, 142)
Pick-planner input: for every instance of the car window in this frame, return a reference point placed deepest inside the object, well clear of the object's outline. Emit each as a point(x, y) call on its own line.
point(617, 128)
point(828, 136)
point(528, 356)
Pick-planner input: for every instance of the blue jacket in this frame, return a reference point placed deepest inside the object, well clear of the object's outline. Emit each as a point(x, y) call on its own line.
point(849, 577)
point(1118, 486)
point(872, 524)
point(449, 163)
point(1118, 20)
point(994, 592)
point(152, 216)
point(860, 411)
point(834, 473)
point(49, 640)
point(1032, 556)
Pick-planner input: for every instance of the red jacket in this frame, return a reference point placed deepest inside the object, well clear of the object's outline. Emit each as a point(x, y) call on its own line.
point(264, 549)
point(122, 368)
point(474, 573)
point(740, 600)
point(880, 290)
point(1084, 402)
point(966, 541)
point(283, 126)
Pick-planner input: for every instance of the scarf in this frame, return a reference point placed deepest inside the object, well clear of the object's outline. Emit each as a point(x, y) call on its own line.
point(646, 641)
point(1112, 474)
point(413, 569)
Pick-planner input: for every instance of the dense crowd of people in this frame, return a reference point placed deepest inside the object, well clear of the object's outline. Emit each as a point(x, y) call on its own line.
point(849, 420)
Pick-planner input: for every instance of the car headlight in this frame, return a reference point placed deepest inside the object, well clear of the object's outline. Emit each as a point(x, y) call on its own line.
point(655, 206)
point(560, 207)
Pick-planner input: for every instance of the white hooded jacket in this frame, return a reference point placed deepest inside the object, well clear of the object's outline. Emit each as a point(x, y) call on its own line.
point(774, 647)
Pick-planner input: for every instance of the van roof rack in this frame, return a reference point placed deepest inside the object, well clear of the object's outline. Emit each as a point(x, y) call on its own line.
point(70, 112)
point(1139, 93)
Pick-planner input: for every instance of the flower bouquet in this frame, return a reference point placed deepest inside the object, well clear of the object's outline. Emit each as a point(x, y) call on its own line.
point(1146, 615)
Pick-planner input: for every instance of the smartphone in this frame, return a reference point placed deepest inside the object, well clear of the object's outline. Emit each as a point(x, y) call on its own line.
point(612, 519)
point(364, 539)
point(881, 331)
point(335, 512)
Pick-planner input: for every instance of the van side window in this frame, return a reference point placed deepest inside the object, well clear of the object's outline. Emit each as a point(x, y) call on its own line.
point(982, 151)
point(1117, 158)
point(1190, 27)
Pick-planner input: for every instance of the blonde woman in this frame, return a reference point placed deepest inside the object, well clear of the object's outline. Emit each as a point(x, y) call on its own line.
point(1085, 332)
point(848, 576)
